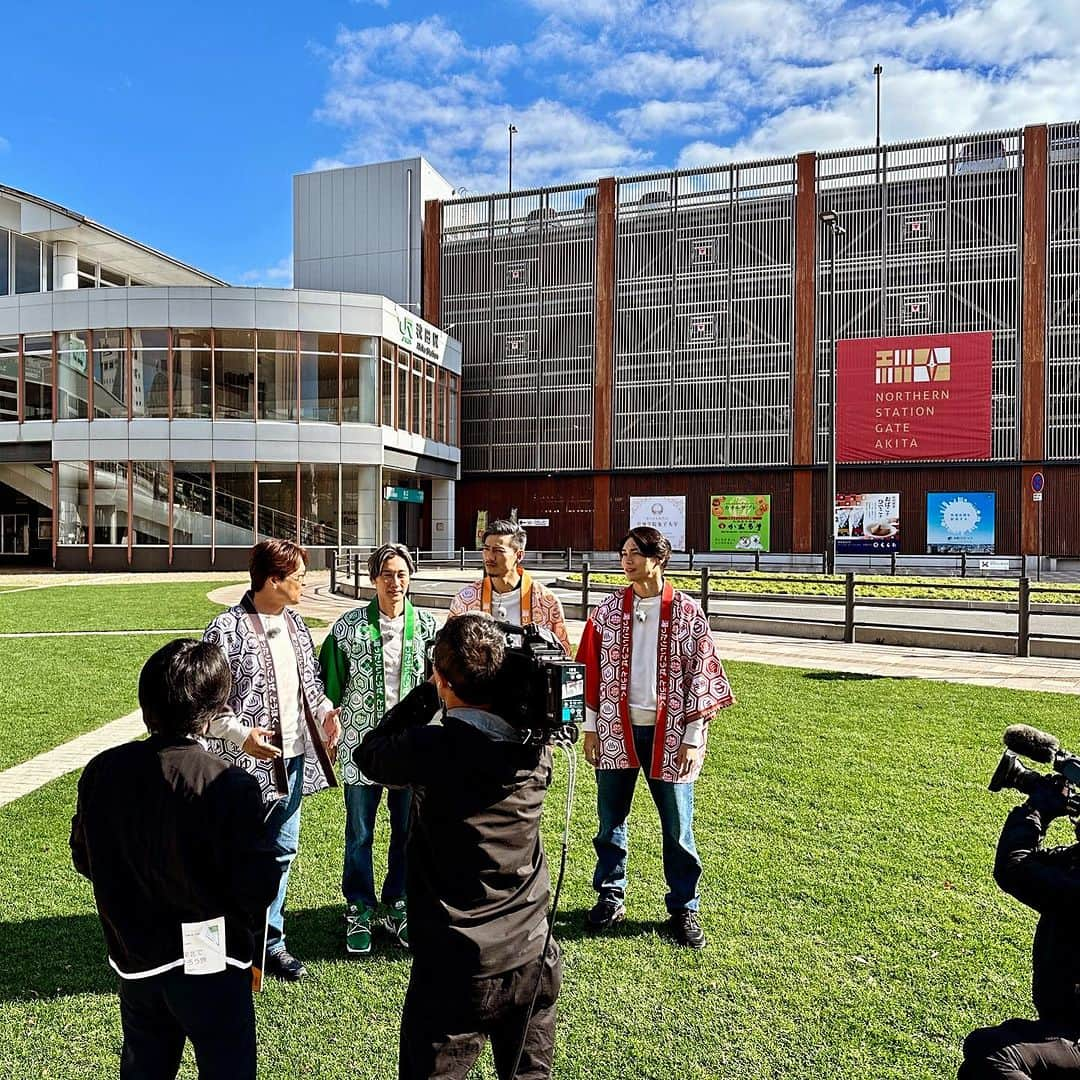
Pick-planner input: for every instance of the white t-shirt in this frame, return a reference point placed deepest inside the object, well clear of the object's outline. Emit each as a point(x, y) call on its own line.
point(393, 637)
point(287, 676)
point(506, 606)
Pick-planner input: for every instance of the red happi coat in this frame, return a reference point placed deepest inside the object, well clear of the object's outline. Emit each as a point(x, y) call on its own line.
point(538, 605)
point(690, 680)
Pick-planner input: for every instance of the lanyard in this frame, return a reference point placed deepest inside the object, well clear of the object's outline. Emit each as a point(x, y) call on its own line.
point(408, 649)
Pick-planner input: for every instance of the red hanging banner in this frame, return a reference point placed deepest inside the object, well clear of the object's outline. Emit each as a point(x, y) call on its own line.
point(914, 398)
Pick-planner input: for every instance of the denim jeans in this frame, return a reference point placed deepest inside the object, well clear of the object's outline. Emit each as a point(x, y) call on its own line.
point(283, 829)
point(674, 804)
point(358, 878)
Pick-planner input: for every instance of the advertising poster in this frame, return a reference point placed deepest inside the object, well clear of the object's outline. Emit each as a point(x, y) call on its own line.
point(667, 513)
point(914, 398)
point(481, 526)
point(959, 521)
point(867, 524)
point(739, 522)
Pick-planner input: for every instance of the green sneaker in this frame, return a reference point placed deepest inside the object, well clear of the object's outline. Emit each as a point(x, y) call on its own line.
point(357, 929)
point(397, 922)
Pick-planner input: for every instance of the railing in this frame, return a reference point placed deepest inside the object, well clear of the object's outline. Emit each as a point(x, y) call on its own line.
point(1024, 598)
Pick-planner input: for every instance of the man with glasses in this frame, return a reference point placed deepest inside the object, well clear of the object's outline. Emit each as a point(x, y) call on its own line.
point(508, 592)
point(653, 682)
point(372, 658)
point(279, 725)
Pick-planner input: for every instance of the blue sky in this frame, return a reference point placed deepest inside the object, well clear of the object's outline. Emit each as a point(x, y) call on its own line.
point(182, 124)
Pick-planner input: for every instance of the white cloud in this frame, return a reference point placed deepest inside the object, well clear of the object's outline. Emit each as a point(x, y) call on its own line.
point(278, 276)
point(602, 86)
point(4, 144)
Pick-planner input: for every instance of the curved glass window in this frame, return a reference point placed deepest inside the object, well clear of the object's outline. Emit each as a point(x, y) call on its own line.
point(150, 372)
point(37, 376)
point(191, 504)
point(191, 373)
point(71, 377)
point(234, 504)
point(359, 379)
point(150, 502)
point(276, 385)
point(110, 374)
point(234, 374)
point(277, 502)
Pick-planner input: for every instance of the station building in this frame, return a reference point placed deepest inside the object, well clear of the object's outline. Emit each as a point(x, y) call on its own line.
point(151, 416)
point(668, 334)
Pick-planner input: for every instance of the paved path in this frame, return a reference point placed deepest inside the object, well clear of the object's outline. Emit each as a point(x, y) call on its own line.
point(887, 661)
point(21, 779)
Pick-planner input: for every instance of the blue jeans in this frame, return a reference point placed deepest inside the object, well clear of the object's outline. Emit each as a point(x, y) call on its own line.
point(358, 878)
point(675, 805)
point(283, 829)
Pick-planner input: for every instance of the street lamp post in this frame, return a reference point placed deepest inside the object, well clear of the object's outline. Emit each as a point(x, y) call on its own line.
point(833, 229)
point(511, 131)
point(878, 69)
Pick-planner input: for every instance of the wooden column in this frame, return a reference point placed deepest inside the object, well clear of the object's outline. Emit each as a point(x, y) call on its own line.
point(1033, 329)
point(805, 368)
point(604, 367)
point(431, 276)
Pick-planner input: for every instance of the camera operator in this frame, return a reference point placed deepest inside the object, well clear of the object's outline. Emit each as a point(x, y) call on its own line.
point(1047, 880)
point(172, 838)
point(477, 879)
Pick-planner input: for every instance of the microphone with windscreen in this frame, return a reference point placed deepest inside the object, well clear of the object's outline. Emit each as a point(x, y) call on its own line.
point(1038, 746)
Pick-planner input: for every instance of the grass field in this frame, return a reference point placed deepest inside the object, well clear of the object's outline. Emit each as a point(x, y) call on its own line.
point(161, 606)
point(855, 931)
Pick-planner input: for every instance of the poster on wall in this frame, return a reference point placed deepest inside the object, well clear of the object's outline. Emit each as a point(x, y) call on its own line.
point(739, 522)
point(960, 521)
point(481, 525)
point(867, 524)
point(667, 513)
point(914, 398)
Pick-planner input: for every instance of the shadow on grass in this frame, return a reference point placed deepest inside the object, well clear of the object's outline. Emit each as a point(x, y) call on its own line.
point(319, 934)
point(571, 926)
point(842, 676)
point(53, 957)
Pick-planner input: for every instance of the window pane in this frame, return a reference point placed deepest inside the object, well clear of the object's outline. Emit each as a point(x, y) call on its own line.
point(49, 255)
point(324, 343)
point(74, 502)
point(319, 505)
point(87, 274)
point(27, 252)
point(150, 372)
point(402, 391)
point(37, 377)
point(191, 503)
point(318, 387)
point(110, 375)
point(277, 384)
point(429, 401)
point(110, 503)
point(360, 504)
point(71, 380)
point(234, 376)
point(191, 373)
point(9, 378)
point(417, 384)
point(358, 389)
point(234, 504)
point(277, 502)
point(111, 278)
point(386, 414)
point(4, 264)
point(150, 502)
point(451, 411)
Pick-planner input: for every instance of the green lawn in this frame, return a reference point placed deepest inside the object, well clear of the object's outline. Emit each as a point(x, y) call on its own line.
point(159, 606)
point(855, 931)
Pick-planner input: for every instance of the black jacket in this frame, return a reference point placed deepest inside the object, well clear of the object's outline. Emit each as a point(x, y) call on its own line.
point(1048, 881)
point(476, 880)
point(169, 833)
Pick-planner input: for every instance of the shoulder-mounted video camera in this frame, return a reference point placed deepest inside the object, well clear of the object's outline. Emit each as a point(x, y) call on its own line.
point(540, 690)
point(1040, 746)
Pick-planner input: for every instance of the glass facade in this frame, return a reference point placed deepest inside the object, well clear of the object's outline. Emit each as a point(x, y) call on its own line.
point(110, 374)
point(277, 501)
point(276, 384)
point(73, 503)
point(110, 503)
point(150, 502)
point(234, 374)
point(191, 379)
point(71, 382)
point(37, 377)
point(150, 373)
point(9, 378)
point(234, 504)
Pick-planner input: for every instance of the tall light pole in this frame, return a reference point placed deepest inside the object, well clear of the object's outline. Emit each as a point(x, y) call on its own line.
point(511, 130)
point(833, 229)
point(878, 69)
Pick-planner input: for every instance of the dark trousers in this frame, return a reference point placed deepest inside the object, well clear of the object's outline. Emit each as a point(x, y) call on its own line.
point(215, 1012)
point(446, 1021)
point(1021, 1050)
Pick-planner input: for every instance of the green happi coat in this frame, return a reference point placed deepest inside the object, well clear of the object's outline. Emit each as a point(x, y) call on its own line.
point(352, 666)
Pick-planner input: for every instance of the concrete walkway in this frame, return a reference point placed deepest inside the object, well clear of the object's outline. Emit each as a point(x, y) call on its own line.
point(886, 661)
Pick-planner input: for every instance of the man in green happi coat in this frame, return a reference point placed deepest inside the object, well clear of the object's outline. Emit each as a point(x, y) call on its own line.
point(372, 658)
